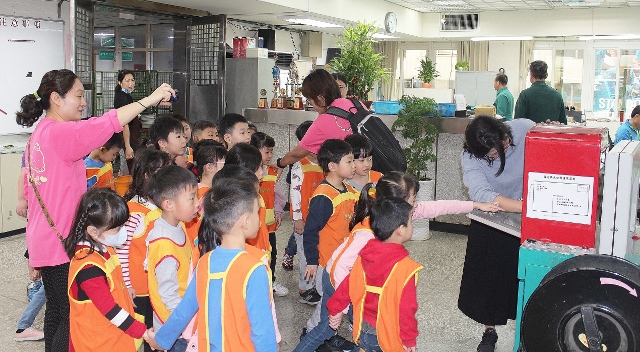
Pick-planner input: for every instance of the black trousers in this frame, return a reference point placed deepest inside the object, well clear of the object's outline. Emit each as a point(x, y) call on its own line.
point(274, 254)
point(143, 307)
point(56, 314)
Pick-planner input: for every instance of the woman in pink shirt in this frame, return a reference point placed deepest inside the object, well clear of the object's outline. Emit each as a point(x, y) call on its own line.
point(56, 179)
point(322, 91)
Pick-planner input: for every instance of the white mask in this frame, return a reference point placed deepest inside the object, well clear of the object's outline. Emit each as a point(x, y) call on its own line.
point(116, 240)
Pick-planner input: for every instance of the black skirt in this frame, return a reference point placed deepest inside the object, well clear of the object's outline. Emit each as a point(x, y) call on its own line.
point(489, 286)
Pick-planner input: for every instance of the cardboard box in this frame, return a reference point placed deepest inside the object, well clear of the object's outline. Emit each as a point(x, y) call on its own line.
point(261, 53)
point(479, 110)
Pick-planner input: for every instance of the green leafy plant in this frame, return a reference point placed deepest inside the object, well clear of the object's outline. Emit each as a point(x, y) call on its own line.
point(414, 126)
point(357, 61)
point(427, 71)
point(462, 65)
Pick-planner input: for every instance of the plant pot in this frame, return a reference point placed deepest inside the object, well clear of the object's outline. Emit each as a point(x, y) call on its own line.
point(426, 85)
point(421, 227)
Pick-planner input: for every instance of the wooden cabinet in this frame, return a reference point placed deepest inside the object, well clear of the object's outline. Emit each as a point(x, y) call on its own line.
point(10, 167)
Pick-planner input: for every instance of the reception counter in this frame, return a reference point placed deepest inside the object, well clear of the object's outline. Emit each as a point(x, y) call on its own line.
point(281, 125)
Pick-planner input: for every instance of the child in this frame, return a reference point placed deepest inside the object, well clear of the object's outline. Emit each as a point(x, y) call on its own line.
point(142, 216)
point(363, 159)
point(203, 129)
point(393, 184)
point(233, 129)
point(167, 134)
point(101, 315)
point(382, 284)
point(230, 292)
point(99, 163)
point(330, 210)
point(186, 129)
point(209, 160)
point(274, 200)
point(251, 128)
point(174, 190)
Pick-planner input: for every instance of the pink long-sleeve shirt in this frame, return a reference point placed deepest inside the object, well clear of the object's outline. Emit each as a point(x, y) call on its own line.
point(57, 168)
point(424, 210)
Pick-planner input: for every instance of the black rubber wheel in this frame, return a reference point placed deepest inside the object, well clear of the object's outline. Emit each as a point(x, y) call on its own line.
point(552, 319)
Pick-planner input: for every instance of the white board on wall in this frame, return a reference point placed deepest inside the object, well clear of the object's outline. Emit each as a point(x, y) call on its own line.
point(29, 48)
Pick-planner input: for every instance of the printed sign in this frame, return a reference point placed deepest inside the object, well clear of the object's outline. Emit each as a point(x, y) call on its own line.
point(566, 198)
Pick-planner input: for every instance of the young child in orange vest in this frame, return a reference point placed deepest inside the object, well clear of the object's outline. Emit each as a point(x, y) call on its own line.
point(363, 159)
point(231, 291)
point(166, 133)
point(233, 129)
point(274, 201)
point(330, 211)
point(101, 310)
point(186, 128)
point(382, 284)
point(142, 215)
point(203, 129)
point(209, 160)
point(174, 190)
point(99, 163)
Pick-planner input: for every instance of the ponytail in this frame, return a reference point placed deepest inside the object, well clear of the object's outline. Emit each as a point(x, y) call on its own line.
point(363, 207)
point(30, 110)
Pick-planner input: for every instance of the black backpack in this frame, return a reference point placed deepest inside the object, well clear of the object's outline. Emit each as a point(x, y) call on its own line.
point(387, 153)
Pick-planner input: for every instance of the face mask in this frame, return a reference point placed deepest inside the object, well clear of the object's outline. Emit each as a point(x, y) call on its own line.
point(116, 240)
point(127, 91)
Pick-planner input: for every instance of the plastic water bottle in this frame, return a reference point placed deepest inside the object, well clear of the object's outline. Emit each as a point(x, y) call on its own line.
point(32, 288)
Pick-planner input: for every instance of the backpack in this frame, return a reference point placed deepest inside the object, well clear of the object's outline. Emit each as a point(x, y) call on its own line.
point(387, 153)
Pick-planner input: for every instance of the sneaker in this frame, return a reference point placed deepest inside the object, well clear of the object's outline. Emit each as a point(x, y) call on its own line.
point(279, 290)
point(310, 297)
point(489, 339)
point(325, 347)
point(28, 334)
point(287, 262)
point(339, 343)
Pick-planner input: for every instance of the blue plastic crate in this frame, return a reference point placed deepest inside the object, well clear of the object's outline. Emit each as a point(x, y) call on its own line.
point(387, 107)
point(447, 109)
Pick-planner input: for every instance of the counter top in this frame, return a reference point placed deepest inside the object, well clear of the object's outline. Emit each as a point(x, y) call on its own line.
point(13, 143)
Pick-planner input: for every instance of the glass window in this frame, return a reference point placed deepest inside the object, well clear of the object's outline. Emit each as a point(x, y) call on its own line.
point(412, 65)
point(629, 80)
point(545, 55)
point(604, 84)
point(446, 67)
point(567, 76)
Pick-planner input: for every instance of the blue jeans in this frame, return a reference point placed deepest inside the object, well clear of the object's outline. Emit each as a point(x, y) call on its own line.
point(179, 346)
point(292, 247)
point(316, 337)
point(33, 308)
point(368, 342)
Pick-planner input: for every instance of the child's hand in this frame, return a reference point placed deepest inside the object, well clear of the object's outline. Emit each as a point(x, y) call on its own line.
point(335, 320)
point(21, 207)
point(310, 273)
point(487, 206)
point(132, 294)
point(278, 220)
point(298, 226)
point(149, 337)
point(409, 349)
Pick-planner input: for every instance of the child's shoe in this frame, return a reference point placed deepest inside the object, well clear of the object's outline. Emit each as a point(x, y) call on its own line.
point(279, 290)
point(287, 262)
point(310, 297)
point(339, 343)
point(28, 334)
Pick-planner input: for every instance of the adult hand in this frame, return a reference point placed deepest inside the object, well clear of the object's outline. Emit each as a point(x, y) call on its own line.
point(335, 320)
point(128, 153)
point(34, 274)
point(298, 226)
point(310, 273)
point(21, 207)
point(162, 95)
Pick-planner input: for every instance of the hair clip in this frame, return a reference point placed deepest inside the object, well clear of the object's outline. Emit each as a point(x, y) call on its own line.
point(36, 95)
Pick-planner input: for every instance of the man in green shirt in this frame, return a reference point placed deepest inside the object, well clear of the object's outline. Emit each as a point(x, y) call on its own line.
point(540, 103)
point(504, 99)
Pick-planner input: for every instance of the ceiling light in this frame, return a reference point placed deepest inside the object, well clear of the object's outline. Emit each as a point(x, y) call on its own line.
point(383, 36)
point(610, 37)
point(313, 23)
point(481, 39)
point(126, 15)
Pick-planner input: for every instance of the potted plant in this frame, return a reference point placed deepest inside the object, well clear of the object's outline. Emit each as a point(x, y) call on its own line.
point(462, 66)
point(417, 122)
point(357, 61)
point(427, 72)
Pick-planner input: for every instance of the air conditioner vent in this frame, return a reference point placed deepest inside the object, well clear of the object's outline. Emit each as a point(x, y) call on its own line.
point(459, 22)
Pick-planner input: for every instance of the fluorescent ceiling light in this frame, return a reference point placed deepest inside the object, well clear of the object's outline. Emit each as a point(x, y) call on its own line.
point(610, 37)
point(481, 39)
point(313, 23)
point(383, 36)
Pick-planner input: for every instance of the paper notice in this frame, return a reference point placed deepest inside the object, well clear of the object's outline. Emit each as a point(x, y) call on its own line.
point(556, 197)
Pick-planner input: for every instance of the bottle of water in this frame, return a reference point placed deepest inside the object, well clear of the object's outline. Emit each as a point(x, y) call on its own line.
point(32, 288)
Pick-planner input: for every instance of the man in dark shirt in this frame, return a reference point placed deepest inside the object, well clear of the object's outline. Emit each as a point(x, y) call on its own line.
point(540, 103)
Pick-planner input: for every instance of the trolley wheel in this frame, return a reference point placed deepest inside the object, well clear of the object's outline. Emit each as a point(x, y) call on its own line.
point(605, 286)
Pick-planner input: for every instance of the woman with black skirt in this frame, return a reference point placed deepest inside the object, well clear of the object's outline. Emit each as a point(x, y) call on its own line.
point(493, 171)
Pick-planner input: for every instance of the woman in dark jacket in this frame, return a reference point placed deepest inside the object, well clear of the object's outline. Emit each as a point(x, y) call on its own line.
point(122, 97)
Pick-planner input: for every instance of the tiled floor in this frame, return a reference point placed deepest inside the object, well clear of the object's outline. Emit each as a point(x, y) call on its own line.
point(442, 327)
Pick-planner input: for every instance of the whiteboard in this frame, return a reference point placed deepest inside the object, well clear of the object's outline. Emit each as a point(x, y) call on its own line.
point(30, 48)
point(477, 86)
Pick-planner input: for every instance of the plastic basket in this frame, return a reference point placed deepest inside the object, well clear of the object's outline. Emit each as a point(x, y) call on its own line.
point(122, 184)
point(447, 109)
point(387, 107)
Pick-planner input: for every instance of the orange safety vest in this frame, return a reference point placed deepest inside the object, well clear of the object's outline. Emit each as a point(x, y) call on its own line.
point(236, 329)
point(138, 247)
point(268, 193)
point(189, 152)
point(192, 227)
point(159, 249)
point(364, 225)
point(89, 329)
point(337, 228)
point(387, 319)
point(312, 176)
point(374, 176)
point(104, 175)
point(261, 241)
